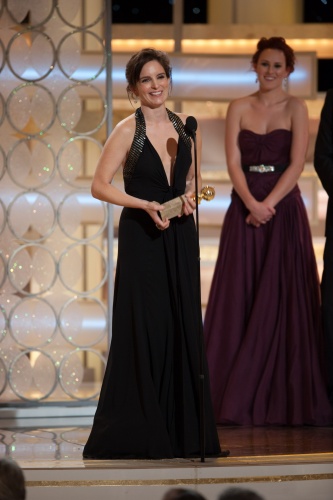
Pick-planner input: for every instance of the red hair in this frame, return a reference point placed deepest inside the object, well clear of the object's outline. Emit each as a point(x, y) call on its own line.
point(277, 43)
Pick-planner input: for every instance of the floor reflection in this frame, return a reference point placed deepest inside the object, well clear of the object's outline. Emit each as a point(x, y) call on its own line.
point(66, 443)
point(44, 444)
point(258, 441)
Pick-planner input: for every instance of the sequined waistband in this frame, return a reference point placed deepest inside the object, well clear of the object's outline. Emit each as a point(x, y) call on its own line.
point(264, 168)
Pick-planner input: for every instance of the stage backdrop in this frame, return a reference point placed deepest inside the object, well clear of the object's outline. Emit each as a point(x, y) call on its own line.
point(53, 251)
point(56, 266)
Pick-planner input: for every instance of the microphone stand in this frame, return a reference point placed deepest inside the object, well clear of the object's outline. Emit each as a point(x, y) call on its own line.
point(201, 348)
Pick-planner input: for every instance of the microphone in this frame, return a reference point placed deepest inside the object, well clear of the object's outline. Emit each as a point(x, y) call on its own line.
point(191, 125)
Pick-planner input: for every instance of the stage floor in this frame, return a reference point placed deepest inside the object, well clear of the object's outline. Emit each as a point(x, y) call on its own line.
point(277, 462)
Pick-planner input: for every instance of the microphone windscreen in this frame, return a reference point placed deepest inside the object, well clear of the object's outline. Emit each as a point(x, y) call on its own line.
point(191, 124)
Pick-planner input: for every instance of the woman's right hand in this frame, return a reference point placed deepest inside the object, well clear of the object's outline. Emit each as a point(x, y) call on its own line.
point(153, 209)
point(260, 213)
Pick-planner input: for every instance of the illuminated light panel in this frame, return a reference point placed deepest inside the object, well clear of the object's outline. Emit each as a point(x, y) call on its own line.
point(119, 45)
point(181, 76)
point(226, 75)
point(323, 46)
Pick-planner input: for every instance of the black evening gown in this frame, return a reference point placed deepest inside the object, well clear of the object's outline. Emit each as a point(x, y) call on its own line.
point(262, 325)
point(149, 401)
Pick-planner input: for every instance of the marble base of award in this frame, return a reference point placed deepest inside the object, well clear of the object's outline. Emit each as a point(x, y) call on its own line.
point(174, 207)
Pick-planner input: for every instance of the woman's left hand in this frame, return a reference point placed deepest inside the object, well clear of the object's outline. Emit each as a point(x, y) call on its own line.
point(188, 205)
point(251, 220)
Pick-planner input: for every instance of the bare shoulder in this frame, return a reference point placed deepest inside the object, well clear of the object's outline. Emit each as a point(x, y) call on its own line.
point(126, 126)
point(121, 137)
point(123, 133)
point(240, 104)
point(296, 104)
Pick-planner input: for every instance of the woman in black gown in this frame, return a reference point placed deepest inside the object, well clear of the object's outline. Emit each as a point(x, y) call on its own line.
point(262, 324)
point(149, 401)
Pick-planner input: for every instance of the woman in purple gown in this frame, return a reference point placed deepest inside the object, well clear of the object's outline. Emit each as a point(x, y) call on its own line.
point(262, 324)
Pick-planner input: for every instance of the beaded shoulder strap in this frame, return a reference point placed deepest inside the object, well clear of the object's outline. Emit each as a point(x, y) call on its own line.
point(179, 126)
point(137, 145)
point(140, 136)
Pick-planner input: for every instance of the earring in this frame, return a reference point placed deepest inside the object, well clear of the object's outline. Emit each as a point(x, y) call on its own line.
point(285, 82)
point(134, 97)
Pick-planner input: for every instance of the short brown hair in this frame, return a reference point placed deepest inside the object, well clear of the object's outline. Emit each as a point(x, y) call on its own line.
point(139, 59)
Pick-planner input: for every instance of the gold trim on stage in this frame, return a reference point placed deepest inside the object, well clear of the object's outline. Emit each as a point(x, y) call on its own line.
point(173, 482)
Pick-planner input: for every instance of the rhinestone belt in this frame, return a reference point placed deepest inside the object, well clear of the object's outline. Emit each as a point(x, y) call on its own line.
point(261, 168)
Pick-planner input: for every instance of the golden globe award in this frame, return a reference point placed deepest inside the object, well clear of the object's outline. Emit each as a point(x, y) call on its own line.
point(174, 207)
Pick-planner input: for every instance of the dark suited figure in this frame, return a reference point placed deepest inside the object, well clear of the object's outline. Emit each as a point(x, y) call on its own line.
point(323, 163)
point(182, 494)
point(12, 480)
point(239, 494)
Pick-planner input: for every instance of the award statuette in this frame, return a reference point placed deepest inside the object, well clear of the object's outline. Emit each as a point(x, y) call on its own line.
point(207, 193)
point(174, 207)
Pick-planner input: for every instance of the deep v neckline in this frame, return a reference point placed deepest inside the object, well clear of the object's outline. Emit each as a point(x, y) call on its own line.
point(179, 128)
point(170, 184)
point(139, 140)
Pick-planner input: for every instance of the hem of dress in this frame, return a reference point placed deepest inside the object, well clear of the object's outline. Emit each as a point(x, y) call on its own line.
point(222, 453)
point(229, 423)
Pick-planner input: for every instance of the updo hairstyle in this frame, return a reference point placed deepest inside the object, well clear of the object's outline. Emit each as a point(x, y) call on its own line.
point(138, 60)
point(277, 43)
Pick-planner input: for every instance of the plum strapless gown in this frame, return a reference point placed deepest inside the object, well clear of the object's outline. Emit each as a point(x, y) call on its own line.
point(262, 325)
